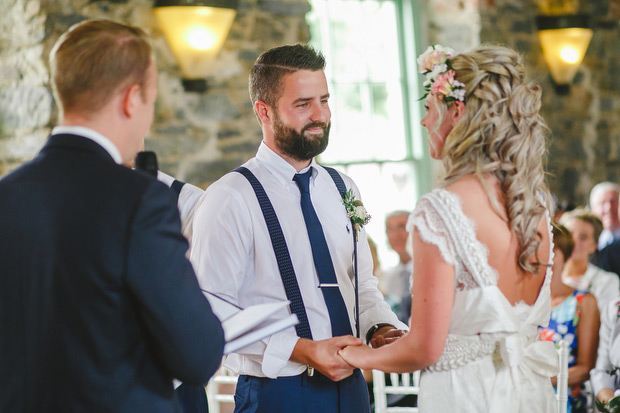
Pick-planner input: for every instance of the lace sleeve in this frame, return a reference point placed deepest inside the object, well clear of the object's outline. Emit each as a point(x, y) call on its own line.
point(427, 218)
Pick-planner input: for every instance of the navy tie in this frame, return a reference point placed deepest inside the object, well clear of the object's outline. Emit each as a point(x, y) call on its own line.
point(328, 283)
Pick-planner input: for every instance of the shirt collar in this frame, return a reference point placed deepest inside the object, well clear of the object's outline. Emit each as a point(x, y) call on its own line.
point(93, 135)
point(282, 170)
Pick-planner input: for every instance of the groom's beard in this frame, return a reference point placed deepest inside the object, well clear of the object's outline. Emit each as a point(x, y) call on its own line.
point(297, 145)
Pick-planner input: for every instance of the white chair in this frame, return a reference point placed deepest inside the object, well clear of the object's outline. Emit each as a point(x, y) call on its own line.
point(562, 382)
point(221, 389)
point(408, 383)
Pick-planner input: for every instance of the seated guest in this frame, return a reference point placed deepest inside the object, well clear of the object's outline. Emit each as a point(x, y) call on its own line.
point(397, 280)
point(606, 374)
point(604, 204)
point(575, 319)
point(578, 272)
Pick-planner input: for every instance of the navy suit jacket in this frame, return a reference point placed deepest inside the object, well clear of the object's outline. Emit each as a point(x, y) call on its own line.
point(608, 258)
point(99, 307)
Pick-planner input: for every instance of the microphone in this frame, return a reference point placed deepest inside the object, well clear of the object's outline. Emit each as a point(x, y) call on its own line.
point(146, 162)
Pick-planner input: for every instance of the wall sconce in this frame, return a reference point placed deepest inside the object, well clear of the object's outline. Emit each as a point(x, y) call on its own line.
point(195, 31)
point(564, 40)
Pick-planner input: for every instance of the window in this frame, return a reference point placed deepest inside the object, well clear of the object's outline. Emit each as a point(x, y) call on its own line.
point(376, 138)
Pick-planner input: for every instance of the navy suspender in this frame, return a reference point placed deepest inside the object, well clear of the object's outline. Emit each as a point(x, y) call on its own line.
point(342, 188)
point(282, 255)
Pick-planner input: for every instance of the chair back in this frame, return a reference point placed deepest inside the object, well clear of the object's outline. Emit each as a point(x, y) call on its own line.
point(562, 381)
point(221, 389)
point(406, 383)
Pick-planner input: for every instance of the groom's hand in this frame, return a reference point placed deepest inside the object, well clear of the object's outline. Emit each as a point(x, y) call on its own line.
point(323, 355)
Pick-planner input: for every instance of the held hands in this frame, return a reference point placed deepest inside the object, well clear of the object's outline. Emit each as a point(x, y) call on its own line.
point(357, 356)
point(361, 356)
point(323, 355)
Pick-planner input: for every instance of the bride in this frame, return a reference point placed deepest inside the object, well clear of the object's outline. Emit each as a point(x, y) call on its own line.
point(481, 244)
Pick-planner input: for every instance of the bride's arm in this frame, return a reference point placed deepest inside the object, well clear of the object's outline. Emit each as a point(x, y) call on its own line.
point(433, 297)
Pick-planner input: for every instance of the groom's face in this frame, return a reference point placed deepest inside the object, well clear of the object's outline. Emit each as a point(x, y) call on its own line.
point(301, 120)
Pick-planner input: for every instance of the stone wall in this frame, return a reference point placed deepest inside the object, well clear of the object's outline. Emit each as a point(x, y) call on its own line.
point(198, 137)
point(585, 124)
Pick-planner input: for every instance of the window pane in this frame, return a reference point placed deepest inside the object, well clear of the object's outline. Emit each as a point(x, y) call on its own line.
point(385, 188)
point(360, 41)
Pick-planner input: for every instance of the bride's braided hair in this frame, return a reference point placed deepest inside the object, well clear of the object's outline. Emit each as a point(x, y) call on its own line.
point(502, 133)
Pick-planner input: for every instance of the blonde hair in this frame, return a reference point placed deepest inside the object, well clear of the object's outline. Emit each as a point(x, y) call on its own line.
point(501, 133)
point(93, 60)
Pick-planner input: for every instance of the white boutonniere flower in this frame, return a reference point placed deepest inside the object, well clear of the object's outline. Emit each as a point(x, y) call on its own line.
point(355, 211)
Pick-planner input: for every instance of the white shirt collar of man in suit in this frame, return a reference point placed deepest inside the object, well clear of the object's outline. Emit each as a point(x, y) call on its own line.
point(95, 136)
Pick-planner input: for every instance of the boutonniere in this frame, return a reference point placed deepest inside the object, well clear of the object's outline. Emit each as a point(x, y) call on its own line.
point(355, 211)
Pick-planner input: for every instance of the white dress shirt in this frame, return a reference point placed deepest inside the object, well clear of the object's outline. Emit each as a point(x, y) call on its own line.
point(188, 199)
point(608, 349)
point(95, 136)
point(233, 256)
point(607, 237)
point(397, 280)
point(604, 285)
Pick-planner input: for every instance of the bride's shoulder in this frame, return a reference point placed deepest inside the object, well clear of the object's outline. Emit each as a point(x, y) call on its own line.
point(469, 188)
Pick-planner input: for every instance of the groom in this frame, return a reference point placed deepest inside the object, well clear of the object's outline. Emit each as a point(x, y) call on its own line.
point(277, 229)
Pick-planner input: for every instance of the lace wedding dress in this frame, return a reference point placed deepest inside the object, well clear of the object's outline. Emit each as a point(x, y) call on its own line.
point(491, 361)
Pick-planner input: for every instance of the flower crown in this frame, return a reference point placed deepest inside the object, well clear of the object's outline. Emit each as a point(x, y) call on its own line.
point(435, 64)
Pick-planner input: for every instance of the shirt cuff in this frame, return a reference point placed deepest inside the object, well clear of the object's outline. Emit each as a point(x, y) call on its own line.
point(278, 353)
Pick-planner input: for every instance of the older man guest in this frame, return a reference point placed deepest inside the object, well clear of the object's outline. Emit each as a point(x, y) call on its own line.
point(397, 280)
point(604, 204)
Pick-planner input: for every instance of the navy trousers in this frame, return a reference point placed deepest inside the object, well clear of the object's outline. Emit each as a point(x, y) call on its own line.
point(193, 399)
point(302, 394)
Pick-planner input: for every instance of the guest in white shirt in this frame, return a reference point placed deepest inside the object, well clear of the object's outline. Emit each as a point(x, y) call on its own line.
point(604, 204)
point(233, 254)
point(397, 280)
point(578, 272)
point(606, 375)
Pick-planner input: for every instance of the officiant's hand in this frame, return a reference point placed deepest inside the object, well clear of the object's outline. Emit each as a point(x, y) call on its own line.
point(323, 355)
point(386, 335)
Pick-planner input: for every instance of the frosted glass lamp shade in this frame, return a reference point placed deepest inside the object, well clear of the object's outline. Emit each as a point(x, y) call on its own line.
point(195, 31)
point(564, 40)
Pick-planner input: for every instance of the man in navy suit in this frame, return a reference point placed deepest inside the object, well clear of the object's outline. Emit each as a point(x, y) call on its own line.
point(99, 307)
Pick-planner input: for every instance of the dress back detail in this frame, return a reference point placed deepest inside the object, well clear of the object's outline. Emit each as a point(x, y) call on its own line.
point(484, 326)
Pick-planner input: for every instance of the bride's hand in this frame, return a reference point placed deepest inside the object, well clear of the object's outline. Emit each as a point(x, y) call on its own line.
point(357, 356)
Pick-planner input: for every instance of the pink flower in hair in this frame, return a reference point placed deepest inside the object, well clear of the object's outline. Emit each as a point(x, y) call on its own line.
point(435, 64)
point(442, 85)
